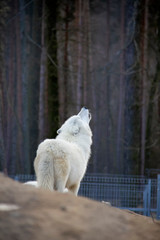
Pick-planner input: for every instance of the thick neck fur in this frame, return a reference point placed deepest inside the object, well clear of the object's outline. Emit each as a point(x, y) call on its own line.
point(85, 146)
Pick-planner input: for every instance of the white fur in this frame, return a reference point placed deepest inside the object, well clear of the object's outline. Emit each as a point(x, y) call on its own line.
point(61, 163)
point(32, 183)
point(35, 184)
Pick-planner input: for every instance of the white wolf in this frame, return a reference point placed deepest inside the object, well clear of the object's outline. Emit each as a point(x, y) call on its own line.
point(61, 163)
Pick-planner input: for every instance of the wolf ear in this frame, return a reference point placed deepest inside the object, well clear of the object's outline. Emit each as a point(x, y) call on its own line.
point(75, 128)
point(58, 131)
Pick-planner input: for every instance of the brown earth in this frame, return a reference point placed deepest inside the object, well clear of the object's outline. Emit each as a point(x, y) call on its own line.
point(41, 215)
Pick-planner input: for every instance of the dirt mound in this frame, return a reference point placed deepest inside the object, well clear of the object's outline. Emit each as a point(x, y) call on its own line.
point(26, 212)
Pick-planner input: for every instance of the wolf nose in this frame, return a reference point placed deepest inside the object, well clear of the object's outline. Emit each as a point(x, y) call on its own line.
point(84, 108)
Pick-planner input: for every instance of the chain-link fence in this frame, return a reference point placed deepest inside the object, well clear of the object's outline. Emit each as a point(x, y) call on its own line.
point(135, 193)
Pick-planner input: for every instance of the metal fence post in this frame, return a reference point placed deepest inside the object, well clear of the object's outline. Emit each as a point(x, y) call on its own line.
point(158, 196)
point(145, 200)
point(149, 197)
point(16, 178)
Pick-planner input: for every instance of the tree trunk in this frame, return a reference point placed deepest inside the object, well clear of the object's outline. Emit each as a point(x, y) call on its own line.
point(108, 97)
point(79, 56)
point(62, 55)
point(120, 123)
point(144, 84)
point(19, 91)
point(42, 85)
point(25, 89)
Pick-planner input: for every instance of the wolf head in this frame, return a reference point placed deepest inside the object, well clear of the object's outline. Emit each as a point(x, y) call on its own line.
point(76, 125)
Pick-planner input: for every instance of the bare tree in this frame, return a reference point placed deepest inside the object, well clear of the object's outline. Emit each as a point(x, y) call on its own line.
point(43, 81)
point(120, 122)
point(144, 45)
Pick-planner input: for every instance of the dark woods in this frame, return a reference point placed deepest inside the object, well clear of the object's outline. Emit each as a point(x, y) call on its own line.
point(57, 56)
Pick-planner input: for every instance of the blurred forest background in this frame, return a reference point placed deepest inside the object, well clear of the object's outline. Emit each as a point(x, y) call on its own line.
point(57, 56)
